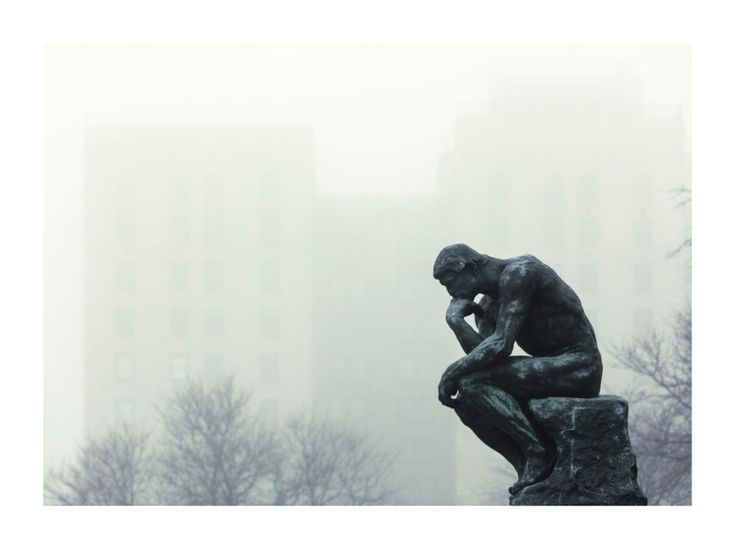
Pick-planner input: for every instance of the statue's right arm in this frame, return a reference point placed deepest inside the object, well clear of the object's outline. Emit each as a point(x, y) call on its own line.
point(466, 335)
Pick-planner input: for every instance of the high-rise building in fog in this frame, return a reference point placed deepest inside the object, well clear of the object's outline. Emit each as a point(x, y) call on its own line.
point(205, 256)
point(197, 263)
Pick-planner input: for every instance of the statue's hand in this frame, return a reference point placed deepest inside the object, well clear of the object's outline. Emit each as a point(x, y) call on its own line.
point(461, 307)
point(447, 389)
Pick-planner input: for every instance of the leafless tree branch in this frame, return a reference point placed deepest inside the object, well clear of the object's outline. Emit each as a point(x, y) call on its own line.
point(116, 469)
point(661, 410)
point(213, 452)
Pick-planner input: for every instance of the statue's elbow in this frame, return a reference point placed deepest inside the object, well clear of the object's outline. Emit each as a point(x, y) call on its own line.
point(506, 349)
point(505, 352)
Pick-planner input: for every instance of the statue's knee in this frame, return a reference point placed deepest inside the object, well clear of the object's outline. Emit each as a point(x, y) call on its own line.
point(467, 385)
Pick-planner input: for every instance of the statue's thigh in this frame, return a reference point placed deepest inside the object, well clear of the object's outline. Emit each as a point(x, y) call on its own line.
point(539, 377)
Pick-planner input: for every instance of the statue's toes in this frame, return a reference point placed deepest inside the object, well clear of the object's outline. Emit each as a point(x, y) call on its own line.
point(517, 487)
point(525, 480)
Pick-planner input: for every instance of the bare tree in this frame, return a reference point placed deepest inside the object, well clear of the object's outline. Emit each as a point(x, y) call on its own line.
point(213, 451)
point(661, 410)
point(683, 195)
point(114, 469)
point(326, 463)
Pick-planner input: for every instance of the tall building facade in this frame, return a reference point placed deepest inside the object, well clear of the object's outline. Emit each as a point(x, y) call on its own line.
point(197, 263)
point(209, 252)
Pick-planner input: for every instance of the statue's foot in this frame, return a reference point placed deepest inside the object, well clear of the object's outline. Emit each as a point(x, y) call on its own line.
point(537, 467)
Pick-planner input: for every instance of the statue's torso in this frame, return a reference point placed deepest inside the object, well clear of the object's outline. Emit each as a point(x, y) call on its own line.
point(555, 322)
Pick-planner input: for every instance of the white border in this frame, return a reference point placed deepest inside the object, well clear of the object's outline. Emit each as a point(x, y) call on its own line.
point(31, 24)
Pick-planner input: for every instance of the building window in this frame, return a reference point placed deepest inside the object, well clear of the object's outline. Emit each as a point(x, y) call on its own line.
point(269, 323)
point(269, 276)
point(554, 211)
point(269, 189)
point(268, 410)
point(214, 230)
point(554, 194)
point(553, 231)
point(125, 322)
point(214, 323)
point(125, 410)
point(125, 190)
point(124, 223)
point(588, 218)
point(269, 367)
point(588, 190)
point(179, 277)
point(179, 322)
point(125, 276)
point(214, 277)
point(359, 410)
point(501, 228)
point(588, 230)
point(180, 228)
point(337, 409)
point(179, 368)
point(214, 365)
point(643, 191)
point(269, 227)
point(124, 367)
point(343, 290)
point(642, 229)
point(180, 193)
point(214, 194)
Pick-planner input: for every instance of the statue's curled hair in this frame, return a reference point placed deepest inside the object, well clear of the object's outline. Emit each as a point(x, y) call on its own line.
point(455, 258)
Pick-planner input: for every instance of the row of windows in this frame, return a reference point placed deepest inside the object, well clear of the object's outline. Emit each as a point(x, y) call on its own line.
point(556, 189)
point(212, 188)
point(184, 323)
point(187, 191)
point(641, 320)
point(212, 229)
point(588, 230)
point(642, 278)
point(268, 410)
point(213, 276)
point(181, 366)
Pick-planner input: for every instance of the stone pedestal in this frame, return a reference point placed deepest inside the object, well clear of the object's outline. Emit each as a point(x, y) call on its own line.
point(594, 464)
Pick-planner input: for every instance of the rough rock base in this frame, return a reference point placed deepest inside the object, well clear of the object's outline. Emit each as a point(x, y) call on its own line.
point(595, 464)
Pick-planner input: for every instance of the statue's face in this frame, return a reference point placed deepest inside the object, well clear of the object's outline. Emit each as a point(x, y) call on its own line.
point(460, 284)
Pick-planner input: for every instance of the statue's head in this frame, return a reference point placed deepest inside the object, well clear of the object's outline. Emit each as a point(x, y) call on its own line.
point(457, 267)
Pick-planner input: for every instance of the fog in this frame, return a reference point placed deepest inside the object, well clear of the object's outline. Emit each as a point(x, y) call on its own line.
point(275, 211)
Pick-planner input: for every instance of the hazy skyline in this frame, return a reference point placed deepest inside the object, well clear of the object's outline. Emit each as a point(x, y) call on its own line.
point(382, 120)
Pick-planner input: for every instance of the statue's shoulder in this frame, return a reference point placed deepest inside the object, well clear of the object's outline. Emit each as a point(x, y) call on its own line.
point(524, 272)
point(523, 264)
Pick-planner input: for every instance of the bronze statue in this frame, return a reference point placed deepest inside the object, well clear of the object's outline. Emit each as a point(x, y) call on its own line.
point(525, 302)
